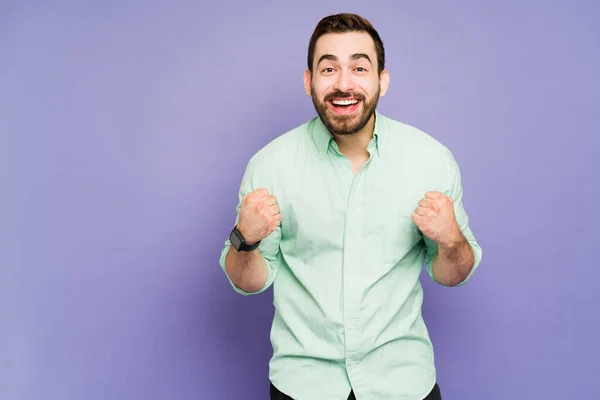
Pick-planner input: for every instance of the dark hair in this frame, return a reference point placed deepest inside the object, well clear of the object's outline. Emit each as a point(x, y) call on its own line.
point(345, 22)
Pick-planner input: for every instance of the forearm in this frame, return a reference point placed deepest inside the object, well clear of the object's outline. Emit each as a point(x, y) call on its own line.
point(453, 262)
point(247, 269)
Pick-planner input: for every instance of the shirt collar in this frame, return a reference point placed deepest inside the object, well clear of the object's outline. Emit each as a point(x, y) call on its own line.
point(322, 137)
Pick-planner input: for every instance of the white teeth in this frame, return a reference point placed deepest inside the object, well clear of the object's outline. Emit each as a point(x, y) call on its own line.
point(344, 102)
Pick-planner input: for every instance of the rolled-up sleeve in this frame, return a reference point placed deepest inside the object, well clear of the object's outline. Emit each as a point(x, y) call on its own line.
point(454, 189)
point(269, 246)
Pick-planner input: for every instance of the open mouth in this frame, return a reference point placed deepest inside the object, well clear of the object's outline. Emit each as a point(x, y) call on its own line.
point(344, 106)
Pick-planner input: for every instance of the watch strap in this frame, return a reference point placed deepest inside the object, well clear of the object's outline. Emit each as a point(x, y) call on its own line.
point(239, 242)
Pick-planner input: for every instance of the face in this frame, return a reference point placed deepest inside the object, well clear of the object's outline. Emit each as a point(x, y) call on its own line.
point(345, 85)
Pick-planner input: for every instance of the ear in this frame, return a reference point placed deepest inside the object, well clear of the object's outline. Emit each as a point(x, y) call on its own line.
point(307, 81)
point(384, 82)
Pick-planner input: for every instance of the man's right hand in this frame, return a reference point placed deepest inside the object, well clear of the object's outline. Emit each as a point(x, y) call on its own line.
point(259, 215)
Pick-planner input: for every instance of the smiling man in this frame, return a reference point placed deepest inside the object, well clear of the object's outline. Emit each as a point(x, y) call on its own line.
point(340, 215)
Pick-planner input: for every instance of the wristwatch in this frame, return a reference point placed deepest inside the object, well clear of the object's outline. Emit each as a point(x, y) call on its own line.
point(239, 242)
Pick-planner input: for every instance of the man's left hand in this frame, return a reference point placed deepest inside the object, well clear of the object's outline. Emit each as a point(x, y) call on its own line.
point(435, 218)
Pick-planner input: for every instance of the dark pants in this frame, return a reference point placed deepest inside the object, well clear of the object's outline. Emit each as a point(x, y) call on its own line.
point(277, 395)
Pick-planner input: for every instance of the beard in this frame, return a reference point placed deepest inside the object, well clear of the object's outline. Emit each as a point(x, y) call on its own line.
point(345, 124)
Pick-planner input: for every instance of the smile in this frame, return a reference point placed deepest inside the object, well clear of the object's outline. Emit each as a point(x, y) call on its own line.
point(344, 106)
point(344, 102)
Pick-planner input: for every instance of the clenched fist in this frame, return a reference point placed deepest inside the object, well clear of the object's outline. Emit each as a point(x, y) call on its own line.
point(259, 215)
point(435, 218)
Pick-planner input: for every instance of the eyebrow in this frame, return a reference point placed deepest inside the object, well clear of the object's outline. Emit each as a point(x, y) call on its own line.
point(356, 56)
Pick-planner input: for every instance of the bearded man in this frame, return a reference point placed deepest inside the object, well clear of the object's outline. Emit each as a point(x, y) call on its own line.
point(340, 215)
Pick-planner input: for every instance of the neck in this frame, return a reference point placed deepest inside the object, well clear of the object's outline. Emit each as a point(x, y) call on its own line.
point(356, 144)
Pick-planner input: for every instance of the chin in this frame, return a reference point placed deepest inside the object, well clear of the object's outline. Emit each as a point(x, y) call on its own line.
point(344, 128)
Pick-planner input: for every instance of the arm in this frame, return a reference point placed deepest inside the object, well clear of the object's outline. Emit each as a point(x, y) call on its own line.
point(453, 262)
point(453, 253)
point(252, 272)
point(258, 218)
point(247, 270)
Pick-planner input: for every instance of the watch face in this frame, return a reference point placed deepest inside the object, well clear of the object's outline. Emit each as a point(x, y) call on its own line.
point(235, 240)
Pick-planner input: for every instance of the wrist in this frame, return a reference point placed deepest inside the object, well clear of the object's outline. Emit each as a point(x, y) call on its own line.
point(452, 241)
point(245, 233)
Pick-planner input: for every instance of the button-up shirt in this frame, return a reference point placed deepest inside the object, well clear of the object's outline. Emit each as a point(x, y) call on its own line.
point(345, 260)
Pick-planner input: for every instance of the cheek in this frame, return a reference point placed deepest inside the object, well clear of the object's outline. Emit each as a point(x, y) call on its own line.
point(369, 87)
point(322, 93)
point(322, 87)
point(368, 90)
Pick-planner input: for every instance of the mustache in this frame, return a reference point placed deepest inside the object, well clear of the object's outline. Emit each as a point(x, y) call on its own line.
point(343, 95)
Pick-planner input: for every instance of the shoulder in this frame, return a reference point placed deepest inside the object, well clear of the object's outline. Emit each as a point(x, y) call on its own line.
point(278, 151)
point(419, 151)
point(403, 136)
point(417, 147)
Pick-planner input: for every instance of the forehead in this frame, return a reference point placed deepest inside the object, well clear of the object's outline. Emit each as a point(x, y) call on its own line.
point(345, 44)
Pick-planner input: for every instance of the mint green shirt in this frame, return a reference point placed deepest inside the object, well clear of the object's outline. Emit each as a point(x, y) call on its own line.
point(345, 261)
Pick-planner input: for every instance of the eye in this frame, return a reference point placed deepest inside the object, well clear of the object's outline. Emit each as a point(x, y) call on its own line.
point(328, 70)
point(361, 69)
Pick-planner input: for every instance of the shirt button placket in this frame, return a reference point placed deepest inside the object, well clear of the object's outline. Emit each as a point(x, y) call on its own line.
point(351, 296)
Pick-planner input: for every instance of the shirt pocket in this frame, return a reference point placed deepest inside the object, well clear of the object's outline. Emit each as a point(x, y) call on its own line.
point(310, 228)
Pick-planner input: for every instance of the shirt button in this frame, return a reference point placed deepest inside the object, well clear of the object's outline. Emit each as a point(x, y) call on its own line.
point(351, 326)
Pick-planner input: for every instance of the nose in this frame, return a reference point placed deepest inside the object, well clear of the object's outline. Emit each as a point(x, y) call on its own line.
point(344, 81)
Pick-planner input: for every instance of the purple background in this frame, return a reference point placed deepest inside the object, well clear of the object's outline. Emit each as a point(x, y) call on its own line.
point(125, 128)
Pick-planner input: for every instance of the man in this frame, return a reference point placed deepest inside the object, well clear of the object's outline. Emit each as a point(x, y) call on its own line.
point(340, 215)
